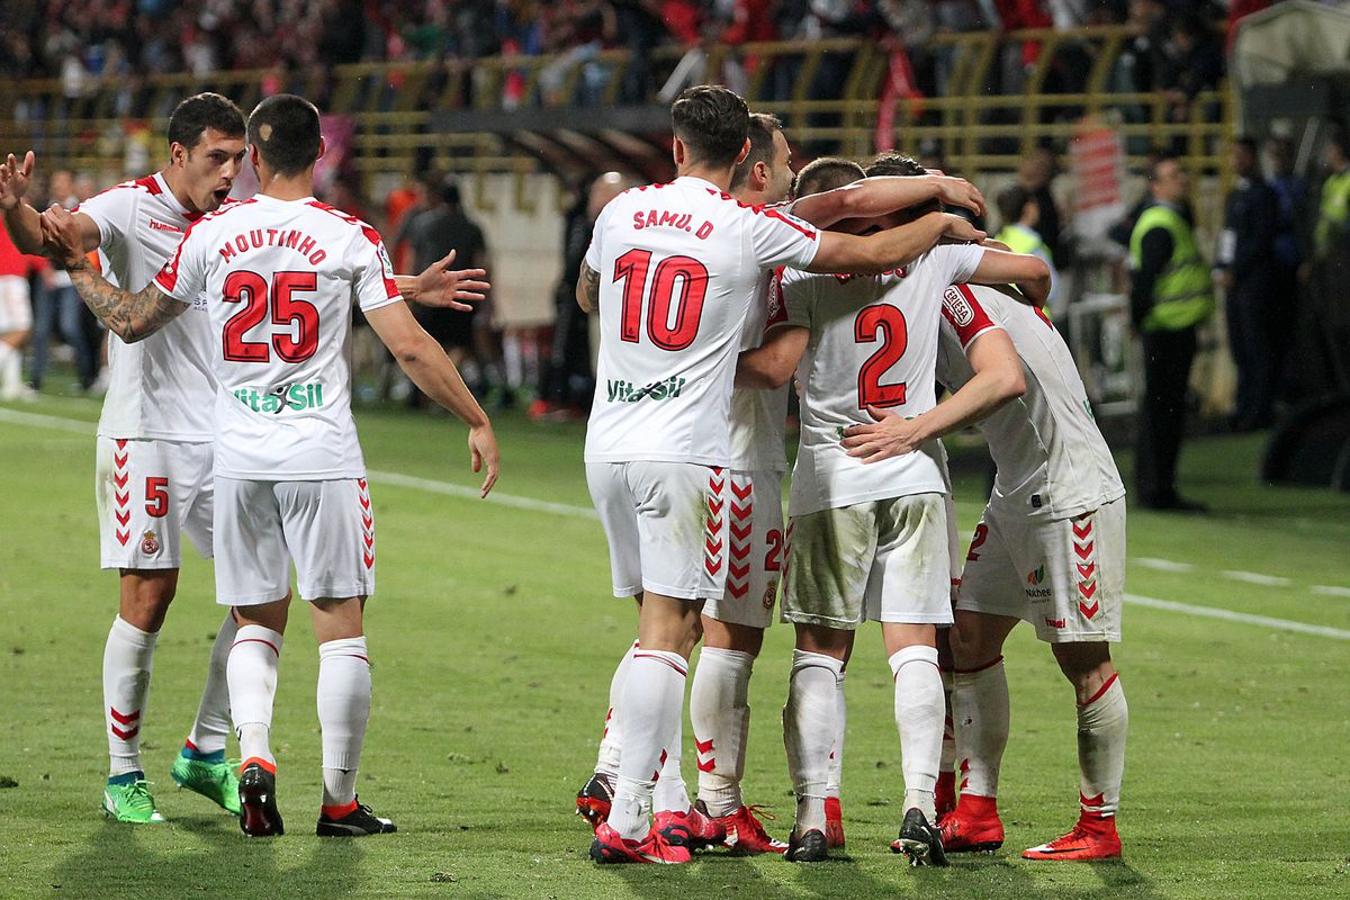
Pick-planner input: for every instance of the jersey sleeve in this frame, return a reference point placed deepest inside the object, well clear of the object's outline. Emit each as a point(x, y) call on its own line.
point(965, 314)
point(184, 276)
point(593, 252)
point(780, 239)
point(112, 212)
point(962, 260)
point(797, 298)
point(373, 282)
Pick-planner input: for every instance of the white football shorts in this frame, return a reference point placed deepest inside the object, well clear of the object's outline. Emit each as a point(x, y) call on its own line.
point(149, 493)
point(325, 528)
point(1064, 576)
point(880, 561)
point(16, 311)
point(666, 526)
point(755, 550)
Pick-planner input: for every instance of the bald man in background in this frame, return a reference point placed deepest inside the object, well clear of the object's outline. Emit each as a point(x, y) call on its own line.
point(568, 382)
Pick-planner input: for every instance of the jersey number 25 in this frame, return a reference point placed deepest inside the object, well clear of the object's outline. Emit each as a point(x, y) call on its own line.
point(251, 289)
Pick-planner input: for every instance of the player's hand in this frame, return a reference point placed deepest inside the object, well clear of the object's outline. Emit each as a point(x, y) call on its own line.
point(959, 229)
point(483, 452)
point(959, 192)
point(441, 286)
point(61, 235)
point(14, 178)
point(890, 435)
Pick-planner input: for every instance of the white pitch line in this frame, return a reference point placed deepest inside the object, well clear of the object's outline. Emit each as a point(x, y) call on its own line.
point(564, 509)
point(1163, 565)
point(1331, 590)
point(1257, 578)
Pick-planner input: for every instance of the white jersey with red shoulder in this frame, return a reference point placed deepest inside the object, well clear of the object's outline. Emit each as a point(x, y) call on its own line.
point(161, 387)
point(873, 343)
point(1052, 459)
point(680, 266)
point(280, 279)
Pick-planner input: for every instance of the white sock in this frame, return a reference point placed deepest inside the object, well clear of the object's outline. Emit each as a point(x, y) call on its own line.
point(670, 794)
point(719, 709)
point(653, 703)
point(834, 781)
point(980, 714)
point(252, 674)
point(128, 657)
point(1102, 726)
point(344, 708)
point(919, 712)
point(809, 730)
point(209, 731)
point(611, 742)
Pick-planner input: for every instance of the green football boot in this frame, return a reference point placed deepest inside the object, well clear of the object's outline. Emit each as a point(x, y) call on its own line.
point(213, 779)
point(131, 802)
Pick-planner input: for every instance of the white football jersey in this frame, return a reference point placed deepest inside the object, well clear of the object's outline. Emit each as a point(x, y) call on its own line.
point(680, 265)
point(759, 417)
point(1051, 457)
point(161, 387)
point(873, 343)
point(280, 278)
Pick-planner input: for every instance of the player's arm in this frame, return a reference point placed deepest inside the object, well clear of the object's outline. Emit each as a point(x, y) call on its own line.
point(998, 379)
point(23, 222)
point(889, 249)
point(425, 363)
point(885, 194)
point(439, 285)
point(1029, 273)
point(771, 364)
point(132, 317)
point(588, 289)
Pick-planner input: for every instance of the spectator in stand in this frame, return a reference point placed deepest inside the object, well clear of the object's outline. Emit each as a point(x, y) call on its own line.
point(1245, 268)
point(56, 306)
point(1191, 61)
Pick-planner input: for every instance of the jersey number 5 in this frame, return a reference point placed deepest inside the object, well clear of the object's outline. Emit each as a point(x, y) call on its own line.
point(884, 323)
point(251, 289)
point(690, 275)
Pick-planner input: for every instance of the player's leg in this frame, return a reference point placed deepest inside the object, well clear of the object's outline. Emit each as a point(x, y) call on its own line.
point(16, 324)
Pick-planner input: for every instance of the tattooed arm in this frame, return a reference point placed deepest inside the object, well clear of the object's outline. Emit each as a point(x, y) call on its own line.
point(132, 317)
point(588, 289)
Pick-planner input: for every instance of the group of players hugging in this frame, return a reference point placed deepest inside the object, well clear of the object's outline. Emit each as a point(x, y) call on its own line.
point(228, 419)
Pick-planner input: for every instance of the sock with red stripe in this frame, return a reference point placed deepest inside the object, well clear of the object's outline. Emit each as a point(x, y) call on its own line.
point(834, 782)
point(344, 709)
point(719, 709)
point(611, 741)
point(980, 715)
point(919, 713)
point(670, 794)
point(809, 731)
point(252, 673)
point(128, 657)
point(1102, 725)
point(652, 704)
point(207, 738)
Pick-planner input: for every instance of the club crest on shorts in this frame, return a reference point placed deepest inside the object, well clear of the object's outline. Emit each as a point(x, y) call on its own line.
point(957, 306)
point(149, 543)
point(770, 594)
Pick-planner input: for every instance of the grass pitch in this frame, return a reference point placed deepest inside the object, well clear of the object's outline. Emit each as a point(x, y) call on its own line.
point(493, 639)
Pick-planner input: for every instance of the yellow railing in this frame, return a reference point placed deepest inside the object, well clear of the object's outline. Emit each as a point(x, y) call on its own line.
point(976, 127)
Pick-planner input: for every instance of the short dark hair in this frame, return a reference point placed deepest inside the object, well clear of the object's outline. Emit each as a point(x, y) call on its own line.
point(448, 191)
point(825, 174)
point(285, 129)
point(1160, 158)
point(763, 127)
point(190, 119)
point(1012, 201)
point(893, 163)
point(1248, 143)
point(713, 123)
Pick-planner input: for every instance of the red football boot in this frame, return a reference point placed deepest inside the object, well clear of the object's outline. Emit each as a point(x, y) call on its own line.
point(973, 827)
point(945, 793)
point(690, 829)
point(594, 800)
point(744, 833)
point(609, 848)
point(1094, 837)
point(834, 823)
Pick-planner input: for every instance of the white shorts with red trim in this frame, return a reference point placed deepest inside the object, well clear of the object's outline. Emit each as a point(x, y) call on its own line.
point(150, 493)
point(1064, 576)
point(325, 528)
point(755, 550)
point(16, 309)
point(666, 526)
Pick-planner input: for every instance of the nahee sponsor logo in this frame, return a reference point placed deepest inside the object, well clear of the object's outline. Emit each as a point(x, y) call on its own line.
point(1035, 578)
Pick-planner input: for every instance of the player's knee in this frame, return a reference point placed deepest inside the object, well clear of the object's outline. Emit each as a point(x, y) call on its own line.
point(1087, 665)
point(821, 639)
point(971, 646)
point(146, 595)
point(731, 636)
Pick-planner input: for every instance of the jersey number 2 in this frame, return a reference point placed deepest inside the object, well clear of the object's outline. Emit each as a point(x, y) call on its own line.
point(251, 289)
point(691, 277)
point(884, 323)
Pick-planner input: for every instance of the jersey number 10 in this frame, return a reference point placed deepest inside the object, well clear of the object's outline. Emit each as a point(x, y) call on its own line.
point(251, 289)
point(689, 274)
